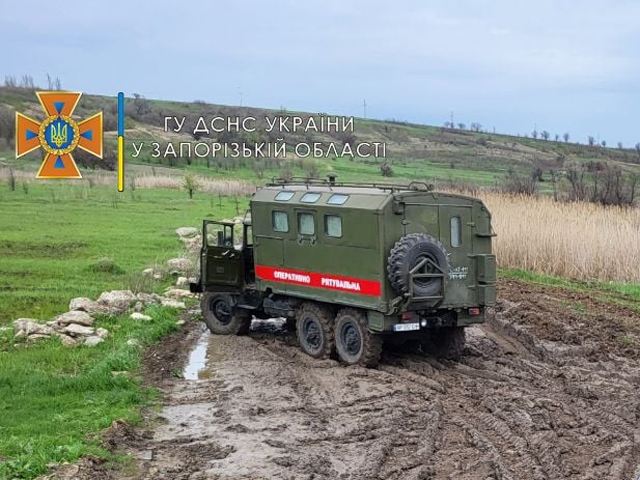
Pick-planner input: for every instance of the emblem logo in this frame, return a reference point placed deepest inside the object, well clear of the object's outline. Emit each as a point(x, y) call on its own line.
point(58, 134)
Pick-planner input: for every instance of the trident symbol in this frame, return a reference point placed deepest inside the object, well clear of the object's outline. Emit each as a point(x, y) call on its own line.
point(59, 136)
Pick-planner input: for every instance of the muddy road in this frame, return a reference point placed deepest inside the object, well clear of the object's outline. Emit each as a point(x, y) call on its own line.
point(548, 389)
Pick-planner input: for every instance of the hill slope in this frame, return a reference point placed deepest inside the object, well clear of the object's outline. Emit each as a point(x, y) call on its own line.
point(412, 151)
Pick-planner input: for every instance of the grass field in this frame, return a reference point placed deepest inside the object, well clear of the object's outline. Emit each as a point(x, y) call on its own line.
point(53, 242)
point(53, 238)
point(54, 400)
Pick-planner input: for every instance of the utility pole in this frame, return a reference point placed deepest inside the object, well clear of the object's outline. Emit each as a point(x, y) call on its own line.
point(452, 125)
point(364, 108)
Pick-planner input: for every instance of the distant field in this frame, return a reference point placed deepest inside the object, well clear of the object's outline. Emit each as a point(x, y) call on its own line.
point(54, 235)
point(414, 152)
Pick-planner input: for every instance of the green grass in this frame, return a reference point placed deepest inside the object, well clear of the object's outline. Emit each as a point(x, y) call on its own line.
point(53, 399)
point(63, 240)
point(624, 294)
point(60, 241)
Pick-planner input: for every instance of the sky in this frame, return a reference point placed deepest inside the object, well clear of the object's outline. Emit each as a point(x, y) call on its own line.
point(510, 65)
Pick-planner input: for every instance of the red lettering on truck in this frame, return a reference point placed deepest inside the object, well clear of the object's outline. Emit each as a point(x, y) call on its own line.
point(358, 286)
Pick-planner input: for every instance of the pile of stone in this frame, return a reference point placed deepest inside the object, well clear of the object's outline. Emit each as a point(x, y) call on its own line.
point(190, 238)
point(76, 327)
point(73, 328)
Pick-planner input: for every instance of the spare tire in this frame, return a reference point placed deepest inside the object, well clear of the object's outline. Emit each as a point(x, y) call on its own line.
point(406, 254)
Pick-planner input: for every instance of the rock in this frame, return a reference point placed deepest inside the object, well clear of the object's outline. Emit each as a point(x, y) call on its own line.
point(76, 330)
point(37, 336)
point(148, 272)
point(182, 282)
point(118, 300)
point(157, 276)
point(138, 307)
point(178, 293)
point(90, 306)
point(93, 340)
point(180, 323)
point(192, 244)
point(102, 332)
point(133, 342)
point(180, 264)
point(186, 231)
point(29, 326)
point(80, 317)
point(149, 298)
point(67, 341)
point(168, 302)
point(140, 316)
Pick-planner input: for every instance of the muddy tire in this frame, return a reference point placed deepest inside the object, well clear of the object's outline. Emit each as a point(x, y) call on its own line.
point(446, 342)
point(355, 344)
point(222, 316)
point(314, 326)
point(406, 254)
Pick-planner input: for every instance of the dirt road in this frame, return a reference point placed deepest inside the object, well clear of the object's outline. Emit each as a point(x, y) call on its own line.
point(548, 389)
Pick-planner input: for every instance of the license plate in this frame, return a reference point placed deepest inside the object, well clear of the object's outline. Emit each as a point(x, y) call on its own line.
point(406, 327)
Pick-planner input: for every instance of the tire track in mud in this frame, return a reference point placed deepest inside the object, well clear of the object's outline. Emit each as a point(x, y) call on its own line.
point(528, 400)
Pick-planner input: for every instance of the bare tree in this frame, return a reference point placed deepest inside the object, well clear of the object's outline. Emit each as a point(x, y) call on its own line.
point(517, 185)
point(620, 146)
point(566, 137)
point(49, 82)
point(140, 105)
point(606, 185)
point(476, 127)
point(545, 135)
point(557, 137)
point(603, 143)
point(461, 126)
point(591, 140)
point(534, 134)
point(57, 84)
point(10, 81)
point(7, 125)
point(27, 82)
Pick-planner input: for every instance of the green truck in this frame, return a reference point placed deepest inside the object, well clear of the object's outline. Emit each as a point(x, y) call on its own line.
point(352, 266)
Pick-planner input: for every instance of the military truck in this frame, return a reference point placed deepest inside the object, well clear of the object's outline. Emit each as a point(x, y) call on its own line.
point(352, 266)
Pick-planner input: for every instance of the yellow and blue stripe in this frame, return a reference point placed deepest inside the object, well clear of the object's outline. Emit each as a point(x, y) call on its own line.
point(120, 142)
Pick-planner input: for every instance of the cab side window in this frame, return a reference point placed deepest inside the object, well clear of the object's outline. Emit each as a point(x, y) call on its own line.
point(333, 226)
point(306, 224)
point(280, 221)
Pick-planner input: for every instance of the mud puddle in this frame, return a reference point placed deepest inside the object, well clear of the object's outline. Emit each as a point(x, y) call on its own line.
point(201, 362)
point(541, 392)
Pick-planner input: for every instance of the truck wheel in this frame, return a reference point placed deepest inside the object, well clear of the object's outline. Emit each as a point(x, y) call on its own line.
point(222, 316)
point(314, 324)
point(406, 254)
point(446, 342)
point(355, 344)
